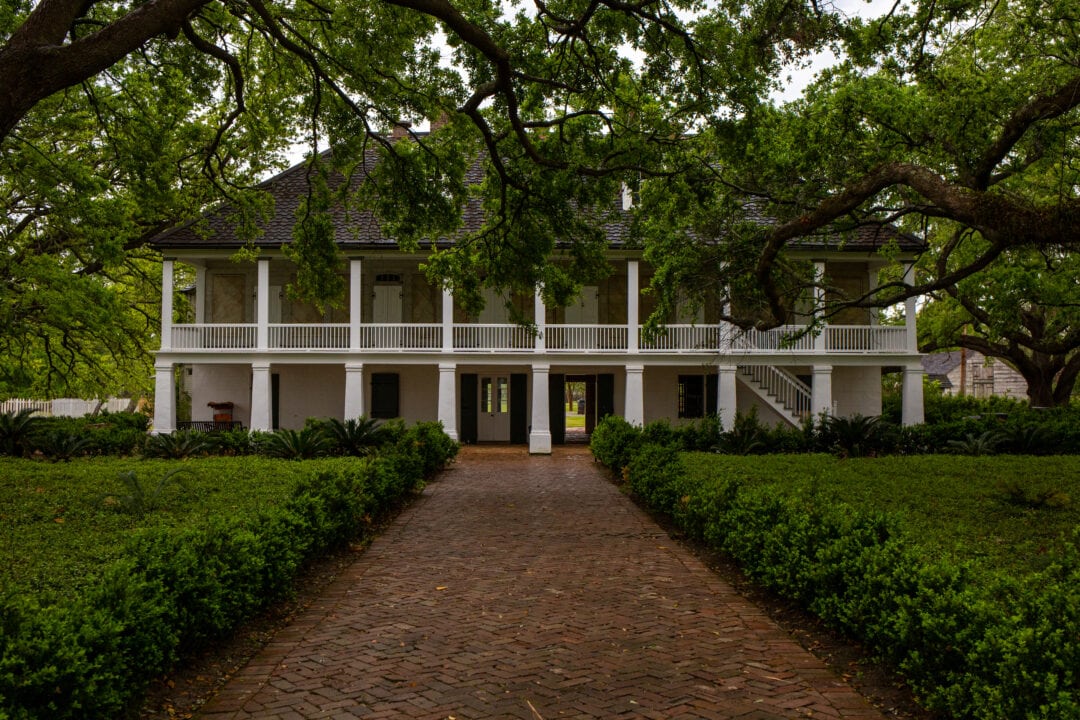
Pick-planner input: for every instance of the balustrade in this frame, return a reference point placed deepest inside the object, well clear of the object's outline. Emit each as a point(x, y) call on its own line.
point(604, 338)
point(478, 337)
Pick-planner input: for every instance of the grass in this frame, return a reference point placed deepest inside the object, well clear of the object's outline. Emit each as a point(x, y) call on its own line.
point(963, 507)
point(573, 420)
point(60, 524)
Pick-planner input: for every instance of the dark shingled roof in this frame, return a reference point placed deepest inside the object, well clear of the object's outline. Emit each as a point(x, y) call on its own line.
point(359, 230)
point(937, 366)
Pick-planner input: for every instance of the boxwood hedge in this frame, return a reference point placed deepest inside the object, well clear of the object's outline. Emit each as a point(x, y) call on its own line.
point(173, 587)
point(971, 641)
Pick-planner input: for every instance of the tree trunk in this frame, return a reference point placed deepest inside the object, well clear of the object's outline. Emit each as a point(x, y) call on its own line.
point(1040, 391)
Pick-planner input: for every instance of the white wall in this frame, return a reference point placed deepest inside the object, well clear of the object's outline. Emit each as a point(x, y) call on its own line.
point(219, 383)
point(745, 399)
point(309, 391)
point(856, 390)
point(419, 387)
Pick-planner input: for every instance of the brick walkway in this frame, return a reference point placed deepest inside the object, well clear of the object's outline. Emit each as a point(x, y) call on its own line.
point(530, 588)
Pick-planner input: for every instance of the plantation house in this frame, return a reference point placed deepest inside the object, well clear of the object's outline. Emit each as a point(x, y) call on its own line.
point(402, 347)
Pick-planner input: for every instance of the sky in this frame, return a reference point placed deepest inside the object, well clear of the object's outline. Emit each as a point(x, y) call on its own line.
point(802, 76)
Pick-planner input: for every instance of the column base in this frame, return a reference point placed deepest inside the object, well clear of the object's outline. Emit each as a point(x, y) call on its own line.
point(540, 443)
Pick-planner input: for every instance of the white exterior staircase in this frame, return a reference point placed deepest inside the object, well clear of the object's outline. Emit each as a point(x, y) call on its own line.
point(789, 396)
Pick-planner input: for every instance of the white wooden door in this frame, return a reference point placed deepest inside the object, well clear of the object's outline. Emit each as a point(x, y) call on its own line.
point(495, 311)
point(586, 311)
point(387, 306)
point(493, 418)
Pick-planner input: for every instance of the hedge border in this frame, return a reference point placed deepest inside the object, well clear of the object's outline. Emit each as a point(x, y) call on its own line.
point(1011, 650)
point(178, 590)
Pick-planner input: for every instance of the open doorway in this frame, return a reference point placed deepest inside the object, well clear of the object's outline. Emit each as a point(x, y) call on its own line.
point(586, 398)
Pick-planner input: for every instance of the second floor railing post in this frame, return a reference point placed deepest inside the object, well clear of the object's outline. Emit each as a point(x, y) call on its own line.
point(632, 295)
point(819, 304)
point(540, 318)
point(447, 320)
point(910, 325)
point(355, 301)
point(166, 303)
point(262, 305)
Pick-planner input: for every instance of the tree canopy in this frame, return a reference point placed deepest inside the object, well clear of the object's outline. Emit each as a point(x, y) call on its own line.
point(955, 122)
point(1024, 310)
point(119, 119)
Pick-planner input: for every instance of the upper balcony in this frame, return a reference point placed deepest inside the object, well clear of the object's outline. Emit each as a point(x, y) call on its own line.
point(248, 312)
point(554, 339)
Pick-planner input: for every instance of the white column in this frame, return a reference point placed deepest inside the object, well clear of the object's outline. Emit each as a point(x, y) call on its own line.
point(634, 412)
point(819, 303)
point(201, 293)
point(633, 295)
point(911, 331)
point(726, 404)
point(540, 318)
point(448, 398)
point(262, 305)
point(911, 408)
point(260, 397)
point(354, 390)
point(821, 395)
point(447, 320)
point(166, 303)
point(164, 399)
point(356, 300)
point(540, 435)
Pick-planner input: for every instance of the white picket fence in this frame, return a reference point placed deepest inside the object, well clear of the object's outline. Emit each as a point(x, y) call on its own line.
point(63, 407)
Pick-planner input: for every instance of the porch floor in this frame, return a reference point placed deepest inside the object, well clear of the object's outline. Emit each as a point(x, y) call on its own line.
point(530, 587)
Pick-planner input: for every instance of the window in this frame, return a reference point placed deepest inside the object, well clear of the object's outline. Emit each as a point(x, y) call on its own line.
point(494, 395)
point(691, 396)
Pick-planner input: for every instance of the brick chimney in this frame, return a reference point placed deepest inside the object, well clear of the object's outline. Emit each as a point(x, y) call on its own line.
point(440, 121)
point(400, 129)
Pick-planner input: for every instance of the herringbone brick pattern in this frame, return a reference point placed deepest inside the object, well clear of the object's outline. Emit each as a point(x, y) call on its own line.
point(529, 587)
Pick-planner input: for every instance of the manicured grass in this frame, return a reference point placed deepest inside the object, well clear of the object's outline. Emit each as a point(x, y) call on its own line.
point(959, 507)
point(62, 524)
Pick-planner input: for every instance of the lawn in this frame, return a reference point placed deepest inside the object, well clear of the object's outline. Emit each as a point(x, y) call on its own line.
point(983, 509)
point(63, 523)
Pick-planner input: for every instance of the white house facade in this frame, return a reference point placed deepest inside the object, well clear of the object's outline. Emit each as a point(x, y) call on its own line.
point(401, 347)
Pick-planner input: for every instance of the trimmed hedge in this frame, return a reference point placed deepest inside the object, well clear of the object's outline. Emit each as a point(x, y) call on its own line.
point(176, 590)
point(971, 644)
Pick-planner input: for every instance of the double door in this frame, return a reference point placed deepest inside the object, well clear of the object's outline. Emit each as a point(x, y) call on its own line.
point(494, 407)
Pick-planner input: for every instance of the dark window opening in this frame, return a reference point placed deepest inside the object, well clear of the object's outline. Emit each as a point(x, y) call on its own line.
point(691, 396)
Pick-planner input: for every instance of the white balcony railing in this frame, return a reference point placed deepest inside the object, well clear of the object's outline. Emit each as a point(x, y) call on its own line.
point(473, 337)
point(214, 337)
point(786, 338)
point(401, 336)
point(865, 338)
point(682, 338)
point(585, 337)
point(309, 337)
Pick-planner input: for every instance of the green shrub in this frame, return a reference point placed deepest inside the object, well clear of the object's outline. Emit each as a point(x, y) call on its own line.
point(699, 435)
point(16, 431)
point(175, 587)
point(311, 442)
point(748, 436)
point(104, 434)
point(427, 442)
point(654, 475)
point(612, 441)
point(972, 641)
point(856, 436)
point(356, 436)
point(178, 445)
